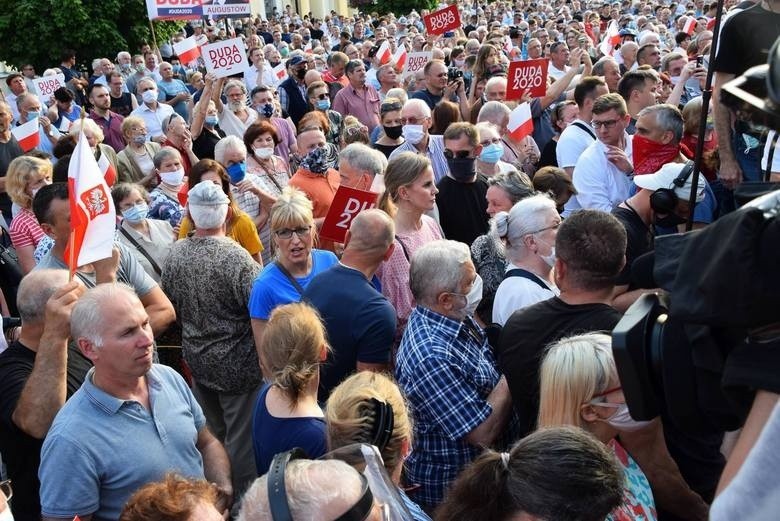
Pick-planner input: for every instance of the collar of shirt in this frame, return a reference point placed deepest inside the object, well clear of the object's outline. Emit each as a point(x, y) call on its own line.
point(466, 329)
point(112, 404)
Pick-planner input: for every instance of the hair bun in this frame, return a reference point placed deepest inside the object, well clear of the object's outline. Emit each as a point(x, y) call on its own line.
point(501, 223)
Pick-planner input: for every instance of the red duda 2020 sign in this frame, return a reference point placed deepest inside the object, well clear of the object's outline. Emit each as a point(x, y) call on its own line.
point(528, 75)
point(443, 20)
point(347, 203)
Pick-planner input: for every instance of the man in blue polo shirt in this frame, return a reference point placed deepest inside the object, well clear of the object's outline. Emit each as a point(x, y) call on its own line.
point(130, 423)
point(359, 320)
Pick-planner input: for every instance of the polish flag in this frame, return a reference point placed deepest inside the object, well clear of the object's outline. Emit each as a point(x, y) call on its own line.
point(108, 171)
point(521, 124)
point(690, 26)
point(280, 72)
point(65, 125)
point(92, 212)
point(400, 57)
point(27, 135)
point(384, 53)
point(187, 50)
point(611, 39)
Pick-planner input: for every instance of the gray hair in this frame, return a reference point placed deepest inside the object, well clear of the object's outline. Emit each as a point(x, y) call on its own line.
point(526, 217)
point(437, 268)
point(493, 112)
point(667, 117)
point(165, 153)
point(21, 98)
point(516, 185)
point(226, 144)
point(35, 290)
point(313, 487)
point(86, 319)
point(598, 67)
point(495, 80)
point(147, 79)
point(232, 84)
point(363, 157)
point(420, 104)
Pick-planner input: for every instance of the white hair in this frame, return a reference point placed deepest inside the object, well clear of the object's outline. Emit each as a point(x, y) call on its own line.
point(90, 125)
point(495, 80)
point(363, 157)
point(226, 144)
point(208, 217)
point(527, 216)
point(436, 268)
point(420, 104)
point(87, 320)
point(493, 112)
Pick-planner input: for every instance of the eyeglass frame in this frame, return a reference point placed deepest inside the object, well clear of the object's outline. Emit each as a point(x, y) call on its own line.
point(608, 124)
point(299, 232)
point(553, 227)
point(493, 141)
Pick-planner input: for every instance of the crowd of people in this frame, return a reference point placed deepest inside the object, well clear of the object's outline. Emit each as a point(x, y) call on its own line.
point(461, 327)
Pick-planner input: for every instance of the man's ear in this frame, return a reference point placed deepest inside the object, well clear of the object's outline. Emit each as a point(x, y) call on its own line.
point(47, 229)
point(88, 349)
point(389, 252)
point(668, 137)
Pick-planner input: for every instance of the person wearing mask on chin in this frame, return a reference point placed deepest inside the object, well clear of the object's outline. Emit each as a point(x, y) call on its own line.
point(292, 91)
point(263, 103)
point(416, 121)
point(151, 110)
point(164, 199)
point(236, 117)
point(461, 198)
point(318, 97)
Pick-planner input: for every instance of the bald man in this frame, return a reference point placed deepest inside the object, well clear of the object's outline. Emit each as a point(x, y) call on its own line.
point(359, 320)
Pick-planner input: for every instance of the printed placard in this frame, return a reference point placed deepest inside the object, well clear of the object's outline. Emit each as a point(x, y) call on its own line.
point(46, 85)
point(225, 58)
point(174, 9)
point(226, 8)
point(528, 75)
point(443, 20)
point(347, 203)
point(415, 61)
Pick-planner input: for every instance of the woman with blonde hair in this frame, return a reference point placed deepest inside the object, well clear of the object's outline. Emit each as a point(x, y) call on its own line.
point(286, 412)
point(579, 386)
point(368, 407)
point(25, 176)
point(410, 192)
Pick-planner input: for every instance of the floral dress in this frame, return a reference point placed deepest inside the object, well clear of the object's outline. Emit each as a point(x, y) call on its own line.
point(162, 206)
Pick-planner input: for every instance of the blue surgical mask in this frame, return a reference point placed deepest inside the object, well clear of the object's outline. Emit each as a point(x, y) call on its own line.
point(139, 140)
point(267, 109)
point(236, 172)
point(492, 153)
point(211, 121)
point(323, 104)
point(136, 213)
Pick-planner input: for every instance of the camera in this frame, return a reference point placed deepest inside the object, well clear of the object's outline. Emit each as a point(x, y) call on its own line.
point(453, 73)
point(699, 60)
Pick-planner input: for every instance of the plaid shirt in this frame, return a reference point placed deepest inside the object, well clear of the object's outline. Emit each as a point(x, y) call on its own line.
point(447, 370)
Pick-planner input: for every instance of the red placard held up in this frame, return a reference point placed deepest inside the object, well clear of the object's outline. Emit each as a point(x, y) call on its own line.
point(347, 203)
point(528, 75)
point(443, 20)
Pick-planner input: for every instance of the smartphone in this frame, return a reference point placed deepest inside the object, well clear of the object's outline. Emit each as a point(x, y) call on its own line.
point(583, 41)
point(700, 61)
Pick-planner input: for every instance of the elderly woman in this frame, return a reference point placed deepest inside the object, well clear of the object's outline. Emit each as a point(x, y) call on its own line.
point(489, 160)
point(283, 281)
point(94, 135)
point(527, 233)
point(239, 225)
point(579, 386)
point(287, 414)
point(25, 176)
point(410, 192)
point(149, 239)
point(178, 136)
point(164, 199)
point(135, 163)
point(354, 414)
point(522, 154)
point(504, 190)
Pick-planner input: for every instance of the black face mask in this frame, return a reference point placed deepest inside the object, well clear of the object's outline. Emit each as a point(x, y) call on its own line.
point(300, 73)
point(393, 132)
point(274, 64)
point(670, 220)
point(462, 169)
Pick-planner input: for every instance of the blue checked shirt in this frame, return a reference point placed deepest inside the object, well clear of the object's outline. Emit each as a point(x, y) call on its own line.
point(447, 370)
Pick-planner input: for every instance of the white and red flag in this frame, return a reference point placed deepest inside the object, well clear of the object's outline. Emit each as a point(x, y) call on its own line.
point(611, 39)
point(92, 212)
point(400, 57)
point(690, 26)
point(384, 53)
point(521, 124)
point(187, 50)
point(107, 169)
point(27, 135)
point(280, 71)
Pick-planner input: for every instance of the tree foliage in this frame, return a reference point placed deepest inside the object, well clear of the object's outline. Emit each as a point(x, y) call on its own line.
point(398, 7)
point(36, 31)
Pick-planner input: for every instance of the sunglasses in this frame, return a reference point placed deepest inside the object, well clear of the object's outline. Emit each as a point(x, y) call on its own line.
point(460, 154)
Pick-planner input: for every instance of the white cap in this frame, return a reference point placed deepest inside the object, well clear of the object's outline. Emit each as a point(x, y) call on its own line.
point(665, 177)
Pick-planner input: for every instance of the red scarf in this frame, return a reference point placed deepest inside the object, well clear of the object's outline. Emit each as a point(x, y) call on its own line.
point(649, 156)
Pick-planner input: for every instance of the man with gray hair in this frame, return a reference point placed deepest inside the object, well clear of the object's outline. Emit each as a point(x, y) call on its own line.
point(37, 373)
point(362, 167)
point(131, 422)
point(359, 320)
point(152, 111)
point(609, 69)
point(417, 122)
point(208, 278)
point(447, 371)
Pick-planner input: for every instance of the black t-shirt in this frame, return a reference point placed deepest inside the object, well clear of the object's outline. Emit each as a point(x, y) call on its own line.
point(639, 240)
point(267, 37)
point(122, 105)
point(203, 147)
point(524, 340)
point(430, 99)
point(745, 40)
point(463, 208)
point(549, 155)
point(21, 453)
point(8, 152)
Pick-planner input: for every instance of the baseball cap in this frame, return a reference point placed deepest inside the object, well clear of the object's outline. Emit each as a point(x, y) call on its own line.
point(402, 21)
point(665, 177)
point(295, 60)
point(206, 193)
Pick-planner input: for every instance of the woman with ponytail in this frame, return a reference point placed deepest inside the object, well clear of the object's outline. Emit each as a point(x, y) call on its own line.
point(560, 474)
point(369, 408)
point(286, 412)
point(410, 192)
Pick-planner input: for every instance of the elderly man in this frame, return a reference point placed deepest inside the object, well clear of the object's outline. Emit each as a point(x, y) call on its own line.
point(462, 192)
point(447, 371)
point(292, 91)
point(216, 336)
point(559, 55)
point(359, 320)
point(337, 62)
point(358, 98)
point(534, 49)
point(37, 373)
point(608, 69)
point(495, 90)
point(131, 422)
point(362, 167)
point(30, 108)
point(416, 121)
point(152, 111)
point(236, 116)
point(628, 52)
point(52, 209)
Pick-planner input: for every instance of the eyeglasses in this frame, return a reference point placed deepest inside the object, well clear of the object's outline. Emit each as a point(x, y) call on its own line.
point(389, 107)
point(610, 123)
point(286, 233)
point(460, 154)
point(493, 141)
point(553, 227)
point(5, 487)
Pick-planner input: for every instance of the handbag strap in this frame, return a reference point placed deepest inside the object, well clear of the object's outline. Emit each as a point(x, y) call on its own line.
point(140, 248)
point(289, 276)
point(771, 158)
point(403, 247)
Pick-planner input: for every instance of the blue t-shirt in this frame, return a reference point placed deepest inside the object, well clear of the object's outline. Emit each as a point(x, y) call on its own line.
point(359, 320)
point(272, 288)
point(272, 435)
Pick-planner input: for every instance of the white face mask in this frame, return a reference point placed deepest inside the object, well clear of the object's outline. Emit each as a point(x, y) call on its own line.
point(149, 96)
point(264, 153)
point(473, 298)
point(622, 419)
point(413, 133)
point(173, 178)
point(549, 259)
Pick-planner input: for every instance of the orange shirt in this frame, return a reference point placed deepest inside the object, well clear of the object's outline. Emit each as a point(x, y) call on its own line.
point(319, 188)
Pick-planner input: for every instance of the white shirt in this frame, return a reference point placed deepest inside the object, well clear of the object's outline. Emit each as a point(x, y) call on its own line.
point(556, 73)
point(233, 126)
point(153, 118)
point(517, 293)
point(600, 184)
point(572, 143)
point(250, 78)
